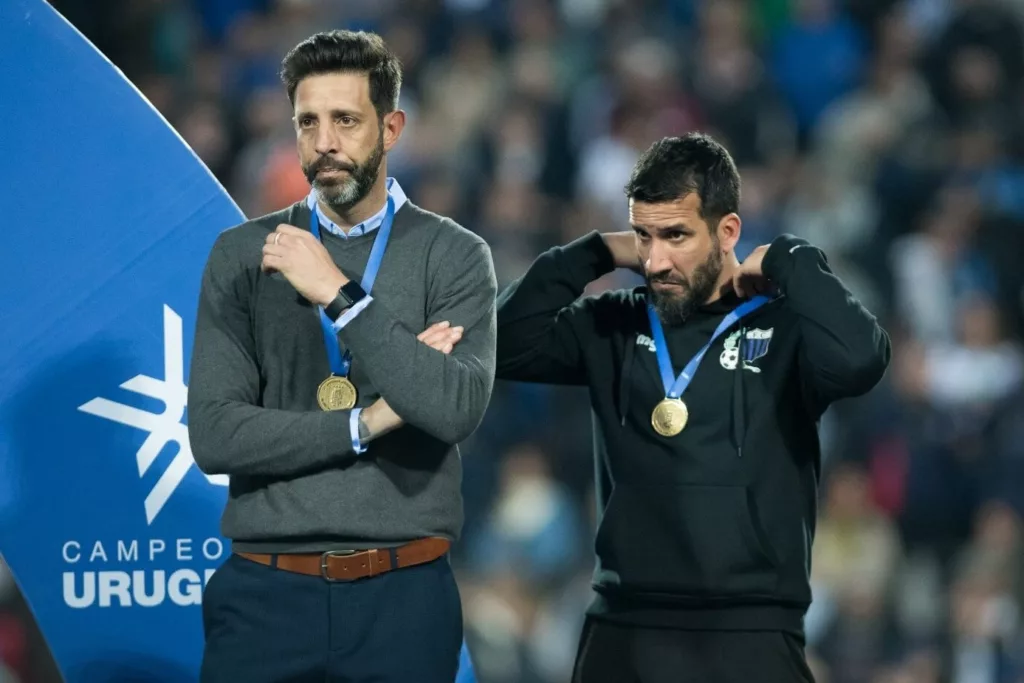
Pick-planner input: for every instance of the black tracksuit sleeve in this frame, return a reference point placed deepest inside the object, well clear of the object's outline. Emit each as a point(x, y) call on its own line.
point(540, 315)
point(844, 351)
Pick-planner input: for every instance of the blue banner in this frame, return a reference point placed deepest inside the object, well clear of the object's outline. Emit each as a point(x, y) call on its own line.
point(110, 530)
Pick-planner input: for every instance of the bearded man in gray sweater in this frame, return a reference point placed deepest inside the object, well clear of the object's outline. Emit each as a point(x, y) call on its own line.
point(344, 346)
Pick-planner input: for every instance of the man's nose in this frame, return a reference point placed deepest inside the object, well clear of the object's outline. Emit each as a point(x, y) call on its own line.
point(327, 141)
point(658, 260)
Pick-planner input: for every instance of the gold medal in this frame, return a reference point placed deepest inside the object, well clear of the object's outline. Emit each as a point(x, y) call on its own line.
point(670, 417)
point(336, 393)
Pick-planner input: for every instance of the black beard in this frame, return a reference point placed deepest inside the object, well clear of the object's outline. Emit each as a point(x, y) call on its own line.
point(675, 309)
point(341, 196)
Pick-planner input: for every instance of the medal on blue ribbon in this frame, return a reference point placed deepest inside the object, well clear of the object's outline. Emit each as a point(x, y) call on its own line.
point(671, 414)
point(337, 392)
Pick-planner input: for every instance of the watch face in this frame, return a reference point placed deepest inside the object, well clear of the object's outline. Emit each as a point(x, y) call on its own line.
point(353, 291)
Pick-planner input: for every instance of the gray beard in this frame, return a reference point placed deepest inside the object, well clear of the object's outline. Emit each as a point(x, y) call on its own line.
point(341, 197)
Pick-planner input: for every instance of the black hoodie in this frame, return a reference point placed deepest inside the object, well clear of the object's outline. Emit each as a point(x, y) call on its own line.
point(712, 528)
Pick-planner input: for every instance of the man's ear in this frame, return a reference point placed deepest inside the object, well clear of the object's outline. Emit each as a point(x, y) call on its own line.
point(394, 124)
point(729, 230)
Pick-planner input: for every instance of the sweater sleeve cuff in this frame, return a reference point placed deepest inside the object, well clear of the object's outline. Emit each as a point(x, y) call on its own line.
point(351, 313)
point(335, 432)
point(778, 260)
point(353, 429)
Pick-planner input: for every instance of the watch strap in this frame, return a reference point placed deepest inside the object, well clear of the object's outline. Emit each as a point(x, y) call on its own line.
point(348, 295)
point(338, 306)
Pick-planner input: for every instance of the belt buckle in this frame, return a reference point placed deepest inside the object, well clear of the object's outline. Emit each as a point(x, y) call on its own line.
point(323, 562)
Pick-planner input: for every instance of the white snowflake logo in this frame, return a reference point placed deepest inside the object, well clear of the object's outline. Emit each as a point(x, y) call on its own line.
point(165, 427)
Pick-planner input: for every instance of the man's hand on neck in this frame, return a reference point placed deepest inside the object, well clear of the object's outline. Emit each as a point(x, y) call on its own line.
point(725, 279)
point(749, 279)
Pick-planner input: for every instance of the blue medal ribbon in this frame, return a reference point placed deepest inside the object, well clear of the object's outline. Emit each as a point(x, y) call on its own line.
point(340, 363)
point(675, 386)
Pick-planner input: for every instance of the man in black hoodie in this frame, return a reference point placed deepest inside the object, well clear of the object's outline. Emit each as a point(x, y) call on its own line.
point(706, 388)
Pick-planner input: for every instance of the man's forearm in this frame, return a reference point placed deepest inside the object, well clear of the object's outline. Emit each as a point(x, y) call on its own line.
point(622, 247)
point(377, 420)
point(846, 351)
point(233, 438)
point(444, 395)
point(536, 313)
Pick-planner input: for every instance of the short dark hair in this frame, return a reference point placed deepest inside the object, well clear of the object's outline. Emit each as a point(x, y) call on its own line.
point(346, 51)
point(674, 167)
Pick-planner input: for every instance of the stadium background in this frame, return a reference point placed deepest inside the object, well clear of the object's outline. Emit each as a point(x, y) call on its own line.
point(887, 133)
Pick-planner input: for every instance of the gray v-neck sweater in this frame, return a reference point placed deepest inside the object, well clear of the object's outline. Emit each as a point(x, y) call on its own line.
point(259, 356)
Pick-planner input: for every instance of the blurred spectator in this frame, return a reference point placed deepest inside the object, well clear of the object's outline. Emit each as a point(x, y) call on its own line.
point(534, 530)
point(856, 549)
point(856, 554)
point(817, 58)
point(858, 128)
point(937, 268)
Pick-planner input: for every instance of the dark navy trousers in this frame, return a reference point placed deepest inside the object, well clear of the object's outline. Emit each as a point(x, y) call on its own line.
point(265, 625)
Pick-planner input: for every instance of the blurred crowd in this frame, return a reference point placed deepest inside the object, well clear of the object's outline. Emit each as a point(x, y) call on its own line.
point(887, 133)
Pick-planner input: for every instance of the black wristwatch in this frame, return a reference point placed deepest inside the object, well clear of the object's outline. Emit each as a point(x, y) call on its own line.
point(349, 295)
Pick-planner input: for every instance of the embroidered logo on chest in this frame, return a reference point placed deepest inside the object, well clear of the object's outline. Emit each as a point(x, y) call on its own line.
point(755, 345)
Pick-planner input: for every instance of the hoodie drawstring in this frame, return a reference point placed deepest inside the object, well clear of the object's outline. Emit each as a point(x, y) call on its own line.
point(739, 426)
point(624, 381)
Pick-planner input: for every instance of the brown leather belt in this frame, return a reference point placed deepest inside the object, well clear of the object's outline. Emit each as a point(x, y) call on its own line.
point(349, 565)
